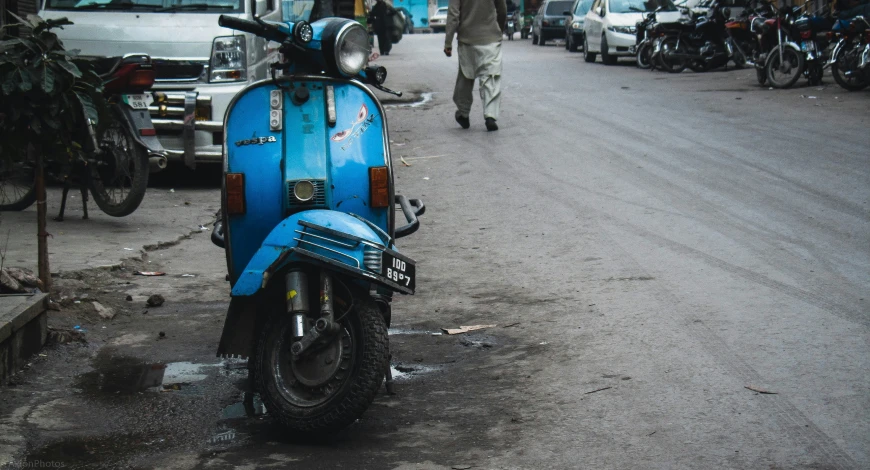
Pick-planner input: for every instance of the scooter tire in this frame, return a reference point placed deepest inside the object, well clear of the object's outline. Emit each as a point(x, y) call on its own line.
point(367, 331)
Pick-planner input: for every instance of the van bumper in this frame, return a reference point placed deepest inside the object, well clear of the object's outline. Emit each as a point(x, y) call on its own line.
point(189, 122)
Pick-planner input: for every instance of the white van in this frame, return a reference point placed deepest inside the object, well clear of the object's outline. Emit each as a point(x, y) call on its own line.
point(200, 66)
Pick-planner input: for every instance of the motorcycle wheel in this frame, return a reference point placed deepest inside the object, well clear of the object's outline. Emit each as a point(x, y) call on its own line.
point(119, 175)
point(589, 57)
point(644, 56)
point(784, 73)
point(17, 185)
point(334, 398)
point(669, 45)
point(845, 70)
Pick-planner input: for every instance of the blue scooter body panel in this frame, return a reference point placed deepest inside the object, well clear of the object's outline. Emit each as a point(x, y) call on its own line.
point(335, 158)
point(301, 237)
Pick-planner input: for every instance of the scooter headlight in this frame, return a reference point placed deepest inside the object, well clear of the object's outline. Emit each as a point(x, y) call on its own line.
point(352, 49)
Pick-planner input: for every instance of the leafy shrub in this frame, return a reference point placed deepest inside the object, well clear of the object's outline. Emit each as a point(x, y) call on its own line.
point(45, 91)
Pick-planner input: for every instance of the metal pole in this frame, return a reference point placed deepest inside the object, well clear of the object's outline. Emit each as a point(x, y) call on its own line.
point(41, 234)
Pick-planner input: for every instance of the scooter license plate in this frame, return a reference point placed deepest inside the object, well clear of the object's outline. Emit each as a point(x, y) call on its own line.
point(398, 271)
point(138, 101)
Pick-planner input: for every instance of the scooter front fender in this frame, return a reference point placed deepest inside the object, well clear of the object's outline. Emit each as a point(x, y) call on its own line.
point(331, 239)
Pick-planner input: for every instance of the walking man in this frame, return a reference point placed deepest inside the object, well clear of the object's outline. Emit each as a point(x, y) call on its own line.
point(381, 19)
point(479, 26)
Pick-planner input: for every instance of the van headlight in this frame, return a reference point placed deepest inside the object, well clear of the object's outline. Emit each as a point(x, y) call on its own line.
point(228, 60)
point(346, 47)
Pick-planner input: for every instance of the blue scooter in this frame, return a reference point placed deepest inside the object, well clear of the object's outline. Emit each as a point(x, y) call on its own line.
point(309, 228)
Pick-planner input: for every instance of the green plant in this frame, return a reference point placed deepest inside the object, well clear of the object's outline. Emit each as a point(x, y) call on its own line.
point(45, 92)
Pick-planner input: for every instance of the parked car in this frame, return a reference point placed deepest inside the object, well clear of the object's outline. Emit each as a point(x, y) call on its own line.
point(610, 26)
point(438, 21)
point(575, 18)
point(200, 65)
point(549, 22)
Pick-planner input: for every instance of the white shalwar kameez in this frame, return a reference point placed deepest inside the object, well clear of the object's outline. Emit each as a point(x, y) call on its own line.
point(482, 62)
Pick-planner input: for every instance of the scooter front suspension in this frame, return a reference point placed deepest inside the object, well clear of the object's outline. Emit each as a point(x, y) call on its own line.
point(325, 325)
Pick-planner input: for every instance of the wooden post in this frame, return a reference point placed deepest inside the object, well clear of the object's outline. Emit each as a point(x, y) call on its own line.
point(41, 233)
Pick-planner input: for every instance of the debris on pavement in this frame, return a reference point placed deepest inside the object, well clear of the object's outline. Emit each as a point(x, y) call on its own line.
point(465, 329)
point(129, 298)
point(149, 273)
point(760, 390)
point(104, 312)
point(404, 162)
point(25, 277)
point(188, 275)
point(61, 336)
point(161, 334)
point(599, 390)
point(155, 300)
point(512, 324)
point(8, 283)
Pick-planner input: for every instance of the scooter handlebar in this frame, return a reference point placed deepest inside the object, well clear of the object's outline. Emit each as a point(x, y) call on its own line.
point(263, 30)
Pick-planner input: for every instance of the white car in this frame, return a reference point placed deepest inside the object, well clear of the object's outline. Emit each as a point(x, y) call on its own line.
point(611, 26)
point(438, 21)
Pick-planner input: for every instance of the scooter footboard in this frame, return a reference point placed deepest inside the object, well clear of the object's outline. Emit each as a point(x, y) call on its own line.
point(333, 240)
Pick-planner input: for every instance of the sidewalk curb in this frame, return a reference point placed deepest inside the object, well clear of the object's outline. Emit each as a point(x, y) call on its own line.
point(23, 330)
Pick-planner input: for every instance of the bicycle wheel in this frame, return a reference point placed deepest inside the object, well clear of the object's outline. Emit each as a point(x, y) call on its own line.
point(17, 185)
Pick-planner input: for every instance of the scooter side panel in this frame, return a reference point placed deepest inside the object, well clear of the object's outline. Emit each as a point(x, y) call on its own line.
point(356, 143)
point(251, 150)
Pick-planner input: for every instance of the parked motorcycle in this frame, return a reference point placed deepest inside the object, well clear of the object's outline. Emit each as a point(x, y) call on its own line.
point(850, 60)
point(643, 48)
point(700, 45)
point(308, 226)
point(116, 166)
point(785, 61)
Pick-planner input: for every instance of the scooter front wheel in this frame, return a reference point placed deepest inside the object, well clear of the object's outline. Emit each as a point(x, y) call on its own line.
point(328, 387)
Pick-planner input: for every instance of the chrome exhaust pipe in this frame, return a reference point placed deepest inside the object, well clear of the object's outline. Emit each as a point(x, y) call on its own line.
point(157, 162)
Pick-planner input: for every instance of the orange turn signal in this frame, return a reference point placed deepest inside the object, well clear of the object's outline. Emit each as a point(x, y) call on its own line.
point(379, 184)
point(235, 187)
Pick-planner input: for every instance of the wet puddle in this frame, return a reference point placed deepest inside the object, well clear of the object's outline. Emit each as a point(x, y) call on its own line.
point(424, 99)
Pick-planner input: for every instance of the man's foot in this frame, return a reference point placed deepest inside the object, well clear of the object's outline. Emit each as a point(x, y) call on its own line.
point(491, 125)
point(463, 120)
point(386, 53)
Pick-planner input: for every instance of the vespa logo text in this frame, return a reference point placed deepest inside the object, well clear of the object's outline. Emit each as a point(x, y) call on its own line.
point(257, 141)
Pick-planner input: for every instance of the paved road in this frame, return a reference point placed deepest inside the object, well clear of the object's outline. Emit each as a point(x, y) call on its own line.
point(650, 245)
